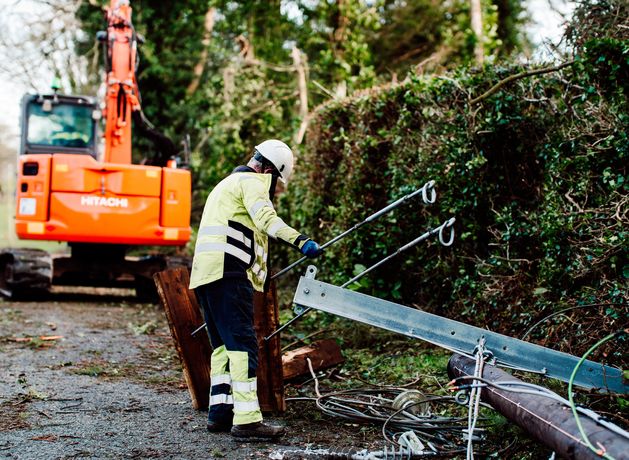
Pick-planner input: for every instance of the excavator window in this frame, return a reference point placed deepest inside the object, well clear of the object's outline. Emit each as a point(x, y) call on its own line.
point(60, 124)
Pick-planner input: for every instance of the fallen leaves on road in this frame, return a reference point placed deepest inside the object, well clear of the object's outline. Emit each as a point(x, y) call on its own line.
point(48, 437)
point(44, 338)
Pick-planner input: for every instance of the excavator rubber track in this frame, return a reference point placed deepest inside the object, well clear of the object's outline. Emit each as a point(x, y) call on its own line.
point(24, 272)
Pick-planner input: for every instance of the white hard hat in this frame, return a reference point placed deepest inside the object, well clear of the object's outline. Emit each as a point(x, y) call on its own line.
point(280, 155)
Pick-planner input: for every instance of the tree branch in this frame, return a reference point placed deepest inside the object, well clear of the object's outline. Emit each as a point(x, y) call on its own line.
point(518, 76)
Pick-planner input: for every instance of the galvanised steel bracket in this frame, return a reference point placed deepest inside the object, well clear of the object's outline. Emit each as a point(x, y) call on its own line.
point(453, 335)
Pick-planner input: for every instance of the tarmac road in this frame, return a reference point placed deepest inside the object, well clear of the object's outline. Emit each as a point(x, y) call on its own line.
point(95, 375)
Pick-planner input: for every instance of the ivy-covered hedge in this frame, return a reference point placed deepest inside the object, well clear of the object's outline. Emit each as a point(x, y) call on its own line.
point(535, 174)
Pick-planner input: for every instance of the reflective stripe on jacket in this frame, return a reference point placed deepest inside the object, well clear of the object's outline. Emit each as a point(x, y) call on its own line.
point(232, 239)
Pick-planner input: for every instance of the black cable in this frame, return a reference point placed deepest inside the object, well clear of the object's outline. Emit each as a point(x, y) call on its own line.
point(371, 406)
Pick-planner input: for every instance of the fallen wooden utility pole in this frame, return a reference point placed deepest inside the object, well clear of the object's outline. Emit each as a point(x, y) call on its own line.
point(547, 420)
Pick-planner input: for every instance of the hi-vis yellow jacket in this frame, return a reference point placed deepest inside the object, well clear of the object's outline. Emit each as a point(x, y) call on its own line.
point(232, 239)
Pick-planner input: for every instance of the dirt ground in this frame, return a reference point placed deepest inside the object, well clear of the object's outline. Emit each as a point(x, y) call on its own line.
point(92, 374)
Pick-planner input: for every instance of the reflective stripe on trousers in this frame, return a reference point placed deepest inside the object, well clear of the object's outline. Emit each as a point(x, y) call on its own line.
point(221, 399)
point(244, 389)
point(221, 379)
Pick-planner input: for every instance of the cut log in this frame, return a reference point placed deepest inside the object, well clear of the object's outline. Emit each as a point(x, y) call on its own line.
point(184, 316)
point(270, 379)
point(322, 353)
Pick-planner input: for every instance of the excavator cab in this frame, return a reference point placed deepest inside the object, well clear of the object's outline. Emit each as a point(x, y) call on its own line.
point(59, 124)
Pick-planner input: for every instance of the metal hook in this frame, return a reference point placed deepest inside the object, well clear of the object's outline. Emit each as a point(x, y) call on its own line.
point(429, 186)
point(449, 224)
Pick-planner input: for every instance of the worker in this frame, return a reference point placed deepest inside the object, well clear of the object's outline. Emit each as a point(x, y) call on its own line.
point(229, 264)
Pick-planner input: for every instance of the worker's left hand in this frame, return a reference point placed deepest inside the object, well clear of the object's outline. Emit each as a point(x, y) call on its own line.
point(311, 249)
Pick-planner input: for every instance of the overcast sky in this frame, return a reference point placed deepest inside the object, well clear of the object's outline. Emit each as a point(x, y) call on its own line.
point(547, 27)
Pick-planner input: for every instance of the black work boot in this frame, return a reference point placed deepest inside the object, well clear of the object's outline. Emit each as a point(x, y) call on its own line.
point(218, 426)
point(257, 431)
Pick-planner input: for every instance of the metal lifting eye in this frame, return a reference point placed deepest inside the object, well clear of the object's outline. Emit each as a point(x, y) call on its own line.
point(462, 397)
point(429, 187)
point(449, 224)
point(489, 357)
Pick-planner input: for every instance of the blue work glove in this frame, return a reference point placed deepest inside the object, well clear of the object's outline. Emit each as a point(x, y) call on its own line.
point(311, 249)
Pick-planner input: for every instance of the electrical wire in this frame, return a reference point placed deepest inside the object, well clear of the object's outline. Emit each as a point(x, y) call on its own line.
point(601, 450)
point(443, 434)
point(474, 399)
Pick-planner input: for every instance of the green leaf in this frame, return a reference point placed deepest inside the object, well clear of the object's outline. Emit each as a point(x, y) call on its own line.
point(540, 291)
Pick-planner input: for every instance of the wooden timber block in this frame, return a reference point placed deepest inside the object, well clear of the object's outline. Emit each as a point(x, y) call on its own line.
point(322, 353)
point(266, 319)
point(184, 316)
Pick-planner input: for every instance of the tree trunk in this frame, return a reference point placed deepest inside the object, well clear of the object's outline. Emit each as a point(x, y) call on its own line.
point(198, 69)
point(300, 68)
point(477, 27)
point(339, 23)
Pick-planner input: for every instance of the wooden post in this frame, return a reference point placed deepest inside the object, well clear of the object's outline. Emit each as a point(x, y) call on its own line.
point(184, 316)
point(270, 376)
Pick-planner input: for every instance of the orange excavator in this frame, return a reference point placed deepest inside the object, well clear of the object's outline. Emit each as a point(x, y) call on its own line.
point(72, 188)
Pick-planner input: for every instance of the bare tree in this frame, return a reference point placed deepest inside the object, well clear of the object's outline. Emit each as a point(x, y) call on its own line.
point(38, 41)
point(7, 152)
point(560, 8)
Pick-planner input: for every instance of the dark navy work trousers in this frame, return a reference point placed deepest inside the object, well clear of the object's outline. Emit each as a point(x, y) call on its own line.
point(228, 309)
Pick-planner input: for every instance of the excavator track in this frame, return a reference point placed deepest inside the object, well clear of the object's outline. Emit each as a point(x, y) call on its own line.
point(24, 272)
point(108, 266)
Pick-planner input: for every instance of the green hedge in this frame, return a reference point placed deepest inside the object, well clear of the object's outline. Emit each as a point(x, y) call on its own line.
point(535, 174)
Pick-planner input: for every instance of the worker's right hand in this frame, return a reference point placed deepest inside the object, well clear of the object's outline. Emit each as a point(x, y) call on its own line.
point(311, 249)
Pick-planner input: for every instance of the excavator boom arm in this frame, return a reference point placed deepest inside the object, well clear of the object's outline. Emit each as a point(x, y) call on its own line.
point(122, 95)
